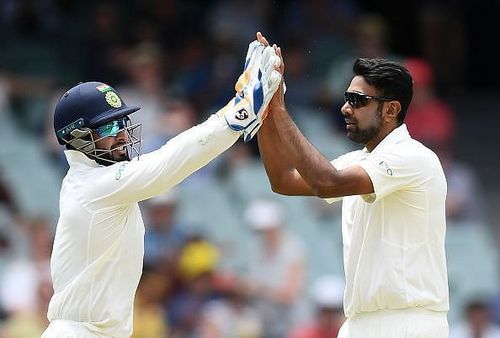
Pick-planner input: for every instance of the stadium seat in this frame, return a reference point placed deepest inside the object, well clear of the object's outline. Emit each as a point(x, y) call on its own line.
point(473, 265)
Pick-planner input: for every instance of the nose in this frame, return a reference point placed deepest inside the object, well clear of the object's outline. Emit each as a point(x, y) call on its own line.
point(122, 136)
point(346, 109)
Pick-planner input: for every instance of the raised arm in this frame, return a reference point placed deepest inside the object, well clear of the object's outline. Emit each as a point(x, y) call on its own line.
point(283, 176)
point(160, 170)
point(317, 172)
point(294, 165)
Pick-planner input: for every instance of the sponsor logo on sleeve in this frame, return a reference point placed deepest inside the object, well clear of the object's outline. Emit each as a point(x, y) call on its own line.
point(385, 166)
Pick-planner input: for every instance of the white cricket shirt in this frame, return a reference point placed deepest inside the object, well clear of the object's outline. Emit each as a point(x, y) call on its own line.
point(394, 254)
point(98, 250)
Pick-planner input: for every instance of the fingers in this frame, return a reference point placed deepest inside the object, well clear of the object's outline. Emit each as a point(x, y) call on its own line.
point(253, 48)
point(278, 50)
point(262, 39)
point(274, 66)
point(270, 59)
point(281, 66)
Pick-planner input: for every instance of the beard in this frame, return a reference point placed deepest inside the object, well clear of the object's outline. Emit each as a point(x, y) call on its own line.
point(113, 156)
point(119, 157)
point(363, 136)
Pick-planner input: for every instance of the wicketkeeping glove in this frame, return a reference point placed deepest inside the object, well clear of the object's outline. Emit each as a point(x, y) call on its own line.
point(254, 90)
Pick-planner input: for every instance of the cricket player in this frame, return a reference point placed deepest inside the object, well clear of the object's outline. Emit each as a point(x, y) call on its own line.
point(98, 250)
point(393, 211)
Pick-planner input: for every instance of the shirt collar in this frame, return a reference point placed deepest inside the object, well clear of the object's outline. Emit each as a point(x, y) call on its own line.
point(398, 134)
point(78, 159)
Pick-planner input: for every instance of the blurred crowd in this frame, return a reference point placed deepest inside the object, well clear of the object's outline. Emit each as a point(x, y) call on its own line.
point(223, 256)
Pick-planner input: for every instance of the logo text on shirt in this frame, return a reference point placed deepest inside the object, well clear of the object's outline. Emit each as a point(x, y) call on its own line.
point(121, 169)
point(386, 167)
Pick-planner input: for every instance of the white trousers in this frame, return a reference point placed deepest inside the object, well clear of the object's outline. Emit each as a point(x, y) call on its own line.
point(408, 323)
point(69, 329)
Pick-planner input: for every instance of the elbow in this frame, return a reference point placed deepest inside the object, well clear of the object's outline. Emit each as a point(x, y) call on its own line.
point(322, 194)
point(278, 188)
point(323, 189)
point(318, 191)
point(282, 186)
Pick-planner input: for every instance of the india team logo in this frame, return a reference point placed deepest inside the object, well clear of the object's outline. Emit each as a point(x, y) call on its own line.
point(113, 100)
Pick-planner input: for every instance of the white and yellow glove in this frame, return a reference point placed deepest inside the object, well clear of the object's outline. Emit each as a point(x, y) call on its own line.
point(254, 90)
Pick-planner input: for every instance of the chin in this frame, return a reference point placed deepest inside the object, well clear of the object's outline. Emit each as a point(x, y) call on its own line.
point(121, 158)
point(363, 136)
point(354, 137)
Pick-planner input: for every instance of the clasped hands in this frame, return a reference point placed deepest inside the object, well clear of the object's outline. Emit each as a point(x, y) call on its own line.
point(261, 78)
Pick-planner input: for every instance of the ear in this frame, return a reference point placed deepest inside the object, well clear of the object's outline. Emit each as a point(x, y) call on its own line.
point(391, 110)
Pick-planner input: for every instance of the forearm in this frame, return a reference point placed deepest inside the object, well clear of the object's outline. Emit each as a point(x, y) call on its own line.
point(283, 176)
point(197, 146)
point(313, 167)
point(275, 162)
point(162, 169)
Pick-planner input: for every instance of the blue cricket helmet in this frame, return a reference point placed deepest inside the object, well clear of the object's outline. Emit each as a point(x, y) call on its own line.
point(88, 105)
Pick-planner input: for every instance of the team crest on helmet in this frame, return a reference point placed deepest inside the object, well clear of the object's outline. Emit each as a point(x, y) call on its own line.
point(113, 100)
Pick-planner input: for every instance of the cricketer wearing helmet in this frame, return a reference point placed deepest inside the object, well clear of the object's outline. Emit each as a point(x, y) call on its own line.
point(98, 249)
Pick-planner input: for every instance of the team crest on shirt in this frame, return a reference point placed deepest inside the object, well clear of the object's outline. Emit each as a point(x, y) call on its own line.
point(385, 166)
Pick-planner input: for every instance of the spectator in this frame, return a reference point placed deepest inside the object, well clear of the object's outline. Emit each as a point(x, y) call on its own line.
point(101, 41)
point(464, 201)
point(478, 322)
point(496, 309)
point(196, 268)
point(165, 234)
point(149, 313)
point(276, 277)
point(432, 121)
point(230, 316)
point(327, 296)
point(26, 288)
point(145, 68)
point(371, 40)
point(6, 196)
point(301, 87)
point(23, 276)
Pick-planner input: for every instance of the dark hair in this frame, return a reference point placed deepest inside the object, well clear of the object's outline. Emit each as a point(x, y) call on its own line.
point(391, 80)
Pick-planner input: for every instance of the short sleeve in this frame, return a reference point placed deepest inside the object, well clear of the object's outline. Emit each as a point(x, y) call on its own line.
point(393, 170)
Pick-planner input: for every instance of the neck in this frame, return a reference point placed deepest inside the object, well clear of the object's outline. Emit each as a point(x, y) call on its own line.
point(384, 131)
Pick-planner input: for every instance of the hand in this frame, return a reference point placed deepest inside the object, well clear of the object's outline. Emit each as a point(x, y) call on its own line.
point(254, 90)
point(252, 59)
point(278, 100)
point(270, 80)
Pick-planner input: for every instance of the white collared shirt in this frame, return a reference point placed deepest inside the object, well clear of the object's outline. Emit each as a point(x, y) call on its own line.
point(98, 250)
point(394, 254)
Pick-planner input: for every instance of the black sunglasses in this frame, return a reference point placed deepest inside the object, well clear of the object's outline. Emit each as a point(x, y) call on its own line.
point(358, 100)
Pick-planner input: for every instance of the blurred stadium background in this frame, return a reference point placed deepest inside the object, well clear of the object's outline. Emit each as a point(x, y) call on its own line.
point(179, 61)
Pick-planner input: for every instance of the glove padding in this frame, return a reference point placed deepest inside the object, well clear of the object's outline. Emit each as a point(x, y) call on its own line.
point(254, 90)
